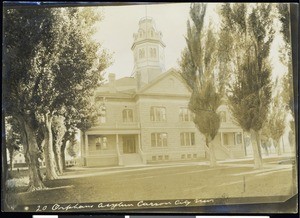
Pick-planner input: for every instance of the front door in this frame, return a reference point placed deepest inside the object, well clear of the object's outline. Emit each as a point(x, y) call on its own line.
point(129, 145)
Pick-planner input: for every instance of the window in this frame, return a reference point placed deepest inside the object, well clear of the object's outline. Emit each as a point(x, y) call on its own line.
point(158, 114)
point(101, 143)
point(159, 139)
point(183, 156)
point(187, 138)
point(127, 115)
point(102, 113)
point(154, 158)
point(98, 143)
point(141, 33)
point(223, 116)
point(238, 138)
point(189, 156)
point(195, 156)
point(166, 157)
point(141, 53)
point(153, 52)
point(185, 114)
point(225, 139)
point(160, 157)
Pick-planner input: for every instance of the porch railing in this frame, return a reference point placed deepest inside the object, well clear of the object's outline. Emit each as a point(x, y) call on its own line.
point(117, 125)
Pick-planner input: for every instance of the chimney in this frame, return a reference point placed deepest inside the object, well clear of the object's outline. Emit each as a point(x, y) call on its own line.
point(112, 83)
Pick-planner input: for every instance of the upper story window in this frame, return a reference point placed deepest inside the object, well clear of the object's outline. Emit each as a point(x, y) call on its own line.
point(141, 33)
point(127, 115)
point(238, 138)
point(225, 139)
point(158, 114)
point(223, 116)
point(187, 138)
point(185, 114)
point(102, 113)
point(142, 53)
point(153, 52)
point(159, 139)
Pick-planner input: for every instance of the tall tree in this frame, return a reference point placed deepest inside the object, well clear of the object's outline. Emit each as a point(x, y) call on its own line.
point(286, 54)
point(198, 64)
point(286, 59)
point(59, 130)
point(275, 123)
point(250, 91)
point(49, 53)
point(24, 29)
point(75, 63)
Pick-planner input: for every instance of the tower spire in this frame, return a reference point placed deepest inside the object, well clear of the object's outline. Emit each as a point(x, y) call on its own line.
point(146, 10)
point(148, 51)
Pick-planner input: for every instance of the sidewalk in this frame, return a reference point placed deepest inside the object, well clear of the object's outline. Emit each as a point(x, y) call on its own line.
point(95, 171)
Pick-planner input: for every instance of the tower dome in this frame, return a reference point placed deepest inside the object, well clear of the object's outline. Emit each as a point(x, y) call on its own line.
point(148, 51)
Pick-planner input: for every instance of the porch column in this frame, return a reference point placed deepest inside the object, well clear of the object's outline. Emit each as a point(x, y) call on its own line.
point(139, 141)
point(222, 143)
point(118, 150)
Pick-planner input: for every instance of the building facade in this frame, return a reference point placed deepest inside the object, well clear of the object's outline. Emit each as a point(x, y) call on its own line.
point(145, 118)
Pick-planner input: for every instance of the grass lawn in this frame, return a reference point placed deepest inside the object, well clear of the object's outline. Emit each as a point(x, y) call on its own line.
point(180, 182)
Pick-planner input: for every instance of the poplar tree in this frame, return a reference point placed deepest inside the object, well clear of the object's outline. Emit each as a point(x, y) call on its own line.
point(250, 90)
point(198, 63)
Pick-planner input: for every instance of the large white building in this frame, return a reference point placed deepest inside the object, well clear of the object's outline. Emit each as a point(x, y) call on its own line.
point(145, 118)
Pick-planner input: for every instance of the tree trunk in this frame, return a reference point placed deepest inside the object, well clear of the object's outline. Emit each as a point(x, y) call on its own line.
point(212, 155)
point(49, 153)
point(255, 140)
point(57, 153)
point(31, 156)
point(63, 153)
point(278, 147)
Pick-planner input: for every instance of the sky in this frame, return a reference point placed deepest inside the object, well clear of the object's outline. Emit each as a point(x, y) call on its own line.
point(115, 33)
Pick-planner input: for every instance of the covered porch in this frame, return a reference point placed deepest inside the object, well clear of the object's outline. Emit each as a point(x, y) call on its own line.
point(111, 148)
point(229, 144)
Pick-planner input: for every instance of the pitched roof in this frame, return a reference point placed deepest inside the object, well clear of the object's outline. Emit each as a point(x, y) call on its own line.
point(127, 86)
point(162, 76)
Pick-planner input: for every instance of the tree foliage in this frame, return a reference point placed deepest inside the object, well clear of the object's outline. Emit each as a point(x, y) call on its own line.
point(52, 66)
point(250, 89)
point(198, 63)
point(286, 55)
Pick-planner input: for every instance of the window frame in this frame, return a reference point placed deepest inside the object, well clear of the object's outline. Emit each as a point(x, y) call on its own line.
point(223, 116)
point(157, 141)
point(157, 117)
point(185, 115)
point(187, 139)
point(127, 118)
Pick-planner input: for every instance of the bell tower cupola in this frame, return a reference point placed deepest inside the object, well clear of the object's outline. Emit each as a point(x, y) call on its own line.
point(148, 51)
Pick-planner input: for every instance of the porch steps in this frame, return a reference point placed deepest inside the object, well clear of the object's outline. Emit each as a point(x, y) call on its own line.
point(131, 159)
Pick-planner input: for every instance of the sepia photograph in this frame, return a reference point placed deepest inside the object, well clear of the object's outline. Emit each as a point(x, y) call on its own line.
point(148, 106)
